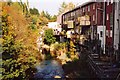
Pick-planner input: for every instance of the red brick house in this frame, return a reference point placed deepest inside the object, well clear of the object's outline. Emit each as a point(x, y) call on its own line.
point(109, 23)
point(91, 9)
point(101, 14)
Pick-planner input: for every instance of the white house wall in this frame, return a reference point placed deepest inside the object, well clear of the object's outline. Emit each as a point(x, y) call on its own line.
point(116, 28)
point(99, 29)
point(119, 20)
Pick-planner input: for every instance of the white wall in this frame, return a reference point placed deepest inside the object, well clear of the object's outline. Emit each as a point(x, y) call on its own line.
point(116, 28)
point(99, 30)
point(52, 25)
point(55, 26)
point(119, 19)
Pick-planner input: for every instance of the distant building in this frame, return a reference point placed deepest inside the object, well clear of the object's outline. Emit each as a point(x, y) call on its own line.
point(59, 21)
point(55, 26)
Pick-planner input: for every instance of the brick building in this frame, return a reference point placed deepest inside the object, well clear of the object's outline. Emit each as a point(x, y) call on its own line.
point(93, 10)
point(109, 23)
point(103, 18)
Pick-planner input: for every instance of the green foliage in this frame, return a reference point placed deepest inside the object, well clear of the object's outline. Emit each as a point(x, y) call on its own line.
point(49, 36)
point(68, 54)
point(48, 16)
point(48, 57)
point(45, 17)
point(62, 8)
point(34, 11)
point(58, 46)
point(11, 69)
point(43, 20)
point(53, 18)
point(34, 19)
point(18, 49)
point(11, 49)
point(32, 26)
point(33, 22)
point(65, 7)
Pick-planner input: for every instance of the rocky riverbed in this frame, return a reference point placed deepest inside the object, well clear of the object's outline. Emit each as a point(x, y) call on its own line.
point(49, 69)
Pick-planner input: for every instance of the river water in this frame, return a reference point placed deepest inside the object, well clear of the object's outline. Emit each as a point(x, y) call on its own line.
point(49, 69)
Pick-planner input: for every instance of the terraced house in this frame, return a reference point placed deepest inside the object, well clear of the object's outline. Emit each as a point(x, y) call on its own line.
point(97, 20)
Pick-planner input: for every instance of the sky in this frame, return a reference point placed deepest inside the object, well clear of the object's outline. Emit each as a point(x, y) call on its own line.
point(51, 6)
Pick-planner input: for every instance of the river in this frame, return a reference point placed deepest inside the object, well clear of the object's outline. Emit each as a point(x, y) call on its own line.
point(49, 69)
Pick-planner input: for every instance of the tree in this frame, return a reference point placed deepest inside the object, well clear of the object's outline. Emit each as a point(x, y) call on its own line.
point(48, 16)
point(65, 7)
point(62, 8)
point(11, 49)
point(19, 51)
point(49, 36)
point(53, 18)
point(42, 14)
point(34, 11)
point(70, 6)
point(45, 17)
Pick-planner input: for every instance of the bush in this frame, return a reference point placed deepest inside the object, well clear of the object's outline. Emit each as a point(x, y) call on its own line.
point(49, 36)
point(68, 54)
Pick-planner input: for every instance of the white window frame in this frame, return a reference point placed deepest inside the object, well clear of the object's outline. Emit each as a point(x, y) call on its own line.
point(93, 6)
point(72, 13)
point(111, 1)
point(93, 17)
point(108, 3)
point(80, 11)
point(83, 9)
point(107, 16)
point(88, 8)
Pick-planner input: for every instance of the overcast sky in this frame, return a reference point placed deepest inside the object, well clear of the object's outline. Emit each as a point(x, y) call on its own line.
point(52, 6)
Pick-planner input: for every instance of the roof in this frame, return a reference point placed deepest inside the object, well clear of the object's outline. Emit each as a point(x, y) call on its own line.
point(82, 5)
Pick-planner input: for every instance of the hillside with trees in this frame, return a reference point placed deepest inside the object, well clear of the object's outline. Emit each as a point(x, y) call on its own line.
point(20, 30)
point(19, 50)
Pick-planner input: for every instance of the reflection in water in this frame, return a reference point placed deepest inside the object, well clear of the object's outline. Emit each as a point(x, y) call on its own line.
point(49, 69)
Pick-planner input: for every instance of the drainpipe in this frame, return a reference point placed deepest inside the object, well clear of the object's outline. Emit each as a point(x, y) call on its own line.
point(96, 17)
point(113, 12)
point(62, 21)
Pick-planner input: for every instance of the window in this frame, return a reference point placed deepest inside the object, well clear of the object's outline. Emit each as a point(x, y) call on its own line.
point(107, 3)
point(101, 33)
point(93, 17)
point(83, 9)
point(107, 16)
point(93, 6)
point(111, 21)
point(74, 13)
point(80, 11)
point(111, 1)
point(88, 8)
point(111, 18)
